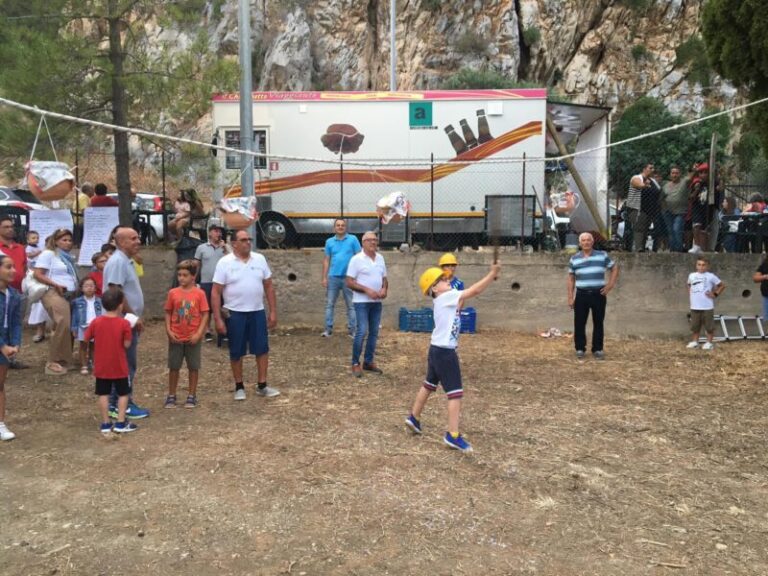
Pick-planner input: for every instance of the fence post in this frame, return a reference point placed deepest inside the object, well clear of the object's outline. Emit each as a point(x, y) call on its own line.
point(341, 182)
point(162, 177)
point(432, 199)
point(522, 209)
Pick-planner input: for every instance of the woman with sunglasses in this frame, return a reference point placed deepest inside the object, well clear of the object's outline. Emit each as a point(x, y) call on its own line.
point(57, 269)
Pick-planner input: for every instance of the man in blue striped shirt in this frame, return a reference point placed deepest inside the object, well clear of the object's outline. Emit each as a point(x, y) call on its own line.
point(587, 290)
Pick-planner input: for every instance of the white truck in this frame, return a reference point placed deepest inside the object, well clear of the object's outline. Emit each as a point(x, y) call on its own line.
point(430, 145)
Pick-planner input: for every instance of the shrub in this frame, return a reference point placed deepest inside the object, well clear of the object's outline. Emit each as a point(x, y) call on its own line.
point(467, 79)
point(431, 5)
point(693, 53)
point(471, 43)
point(640, 52)
point(531, 36)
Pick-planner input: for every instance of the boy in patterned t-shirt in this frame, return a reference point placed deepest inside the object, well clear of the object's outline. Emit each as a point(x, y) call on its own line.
point(442, 361)
point(186, 319)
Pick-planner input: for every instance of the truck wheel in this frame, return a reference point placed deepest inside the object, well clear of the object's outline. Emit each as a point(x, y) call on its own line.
point(276, 231)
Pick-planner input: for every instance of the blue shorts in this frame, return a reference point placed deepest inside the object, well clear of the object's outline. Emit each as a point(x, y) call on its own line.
point(247, 331)
point(443, 368)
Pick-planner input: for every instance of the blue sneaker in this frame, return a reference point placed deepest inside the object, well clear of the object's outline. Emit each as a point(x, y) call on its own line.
point(124, 427)
point(106, 427)
point(413, 424)
point(135, 412)
point(457, 443)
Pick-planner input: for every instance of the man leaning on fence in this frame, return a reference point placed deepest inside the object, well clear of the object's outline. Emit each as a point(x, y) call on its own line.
point(638, 219)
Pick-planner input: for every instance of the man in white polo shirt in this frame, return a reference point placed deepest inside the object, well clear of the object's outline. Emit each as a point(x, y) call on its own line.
point(367, 277)
point(240, 282)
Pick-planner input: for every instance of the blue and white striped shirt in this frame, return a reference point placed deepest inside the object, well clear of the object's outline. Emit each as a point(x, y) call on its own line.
point(590, 270)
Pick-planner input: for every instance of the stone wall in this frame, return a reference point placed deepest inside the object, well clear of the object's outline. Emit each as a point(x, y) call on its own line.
point(650, 299)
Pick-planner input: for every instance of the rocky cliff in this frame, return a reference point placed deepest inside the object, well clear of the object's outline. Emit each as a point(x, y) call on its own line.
point(604, 52)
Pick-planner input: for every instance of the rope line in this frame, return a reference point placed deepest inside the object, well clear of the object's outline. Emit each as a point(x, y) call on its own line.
point(383, 163)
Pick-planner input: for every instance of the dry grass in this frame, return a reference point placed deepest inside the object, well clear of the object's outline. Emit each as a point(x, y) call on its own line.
point(652, 461)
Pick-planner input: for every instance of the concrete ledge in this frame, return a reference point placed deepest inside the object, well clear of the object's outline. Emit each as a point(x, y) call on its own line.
point(650, 300)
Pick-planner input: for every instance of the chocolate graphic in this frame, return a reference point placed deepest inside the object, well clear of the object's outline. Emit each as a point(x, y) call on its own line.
point(482, 127)
point(458, 144)
point(342, 138)
point(469, 136)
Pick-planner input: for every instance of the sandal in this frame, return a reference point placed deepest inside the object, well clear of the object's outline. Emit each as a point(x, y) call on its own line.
point(170, 401)
point(84, 370)
point(55, 369)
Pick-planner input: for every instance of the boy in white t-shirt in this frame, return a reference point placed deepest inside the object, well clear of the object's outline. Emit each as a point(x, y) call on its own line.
point(442, 362)
point(703, 288)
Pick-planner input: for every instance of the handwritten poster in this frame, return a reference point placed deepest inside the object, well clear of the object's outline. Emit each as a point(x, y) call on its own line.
point(46, 222)
point(99, 222)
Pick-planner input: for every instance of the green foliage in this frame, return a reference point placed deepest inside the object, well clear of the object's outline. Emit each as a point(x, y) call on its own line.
point(466, 79)
point(431, 5)
point(636, 5)
point(737, 45)
point(640, 52)
point(531, 36)
point(747, 152)
point(471, 43)
point(680, 147)
point(693, 53)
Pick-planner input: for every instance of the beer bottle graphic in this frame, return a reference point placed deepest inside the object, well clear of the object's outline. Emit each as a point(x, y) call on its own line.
point(483, 131)
point(458, 144)
point(469, 136)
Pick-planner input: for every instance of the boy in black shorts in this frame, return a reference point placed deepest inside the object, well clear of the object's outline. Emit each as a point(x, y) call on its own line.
point(443, 363)
point(111, 334)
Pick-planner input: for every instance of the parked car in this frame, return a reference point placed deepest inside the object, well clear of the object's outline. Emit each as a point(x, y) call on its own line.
point(143, 203)
point(17, 203)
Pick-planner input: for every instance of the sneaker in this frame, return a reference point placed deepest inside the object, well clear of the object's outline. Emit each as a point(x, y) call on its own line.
point(708, 346)
point(135, 412)
point(692, 345)
point(208, 337)
point(105, 428)
point(240, 394)
point(124, 427)
point(170, 401)
point(457, 443)
point(599, 355)
point(357, 371)
point(351, 332)
point(580, 354)
point(267, 392)
point(326, 333)
point(695, 250)
point(112, 412)
point(191, 402)
point(6, 434)
point(372, 368)
point(413, 424)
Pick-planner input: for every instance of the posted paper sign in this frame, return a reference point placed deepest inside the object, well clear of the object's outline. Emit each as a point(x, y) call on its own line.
point(46, 222)
point(99, 223)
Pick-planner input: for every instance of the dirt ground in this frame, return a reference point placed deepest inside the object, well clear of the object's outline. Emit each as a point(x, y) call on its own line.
point(652, 462)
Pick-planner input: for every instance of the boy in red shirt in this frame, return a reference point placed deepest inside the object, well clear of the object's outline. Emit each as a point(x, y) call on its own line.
point(99, 260)
point(186, 319)
point(111, 334)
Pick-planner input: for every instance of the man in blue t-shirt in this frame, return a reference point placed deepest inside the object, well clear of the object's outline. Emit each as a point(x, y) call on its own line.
point(339, 250)
point(587, 291)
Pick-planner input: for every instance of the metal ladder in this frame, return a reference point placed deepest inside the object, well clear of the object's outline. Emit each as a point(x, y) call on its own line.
point(729, 328)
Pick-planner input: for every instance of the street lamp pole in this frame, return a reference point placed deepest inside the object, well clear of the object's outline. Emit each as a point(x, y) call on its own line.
point(246, 98)
point(392, 47)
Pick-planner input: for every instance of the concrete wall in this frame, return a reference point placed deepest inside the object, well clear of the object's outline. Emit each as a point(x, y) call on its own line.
point(650, 299)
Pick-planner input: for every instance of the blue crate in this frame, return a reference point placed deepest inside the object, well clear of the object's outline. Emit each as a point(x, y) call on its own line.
point(468, 321)
point(422, 320)
point(416, 320)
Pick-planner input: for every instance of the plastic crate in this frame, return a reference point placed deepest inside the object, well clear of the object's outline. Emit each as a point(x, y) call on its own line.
point(468, 321)
point(422, 320)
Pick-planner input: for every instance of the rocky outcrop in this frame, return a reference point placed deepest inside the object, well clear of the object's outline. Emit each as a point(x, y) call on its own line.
point(599, 52)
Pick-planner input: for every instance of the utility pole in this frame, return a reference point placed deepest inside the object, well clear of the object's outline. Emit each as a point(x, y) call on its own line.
point(246, 99)
point(392, 47)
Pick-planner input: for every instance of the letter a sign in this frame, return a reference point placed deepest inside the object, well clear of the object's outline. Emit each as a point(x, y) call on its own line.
point(420, 114)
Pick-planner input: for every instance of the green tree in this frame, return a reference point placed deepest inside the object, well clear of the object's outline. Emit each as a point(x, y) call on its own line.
point(680, 147)
point(737, 46)
point(94, 59)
